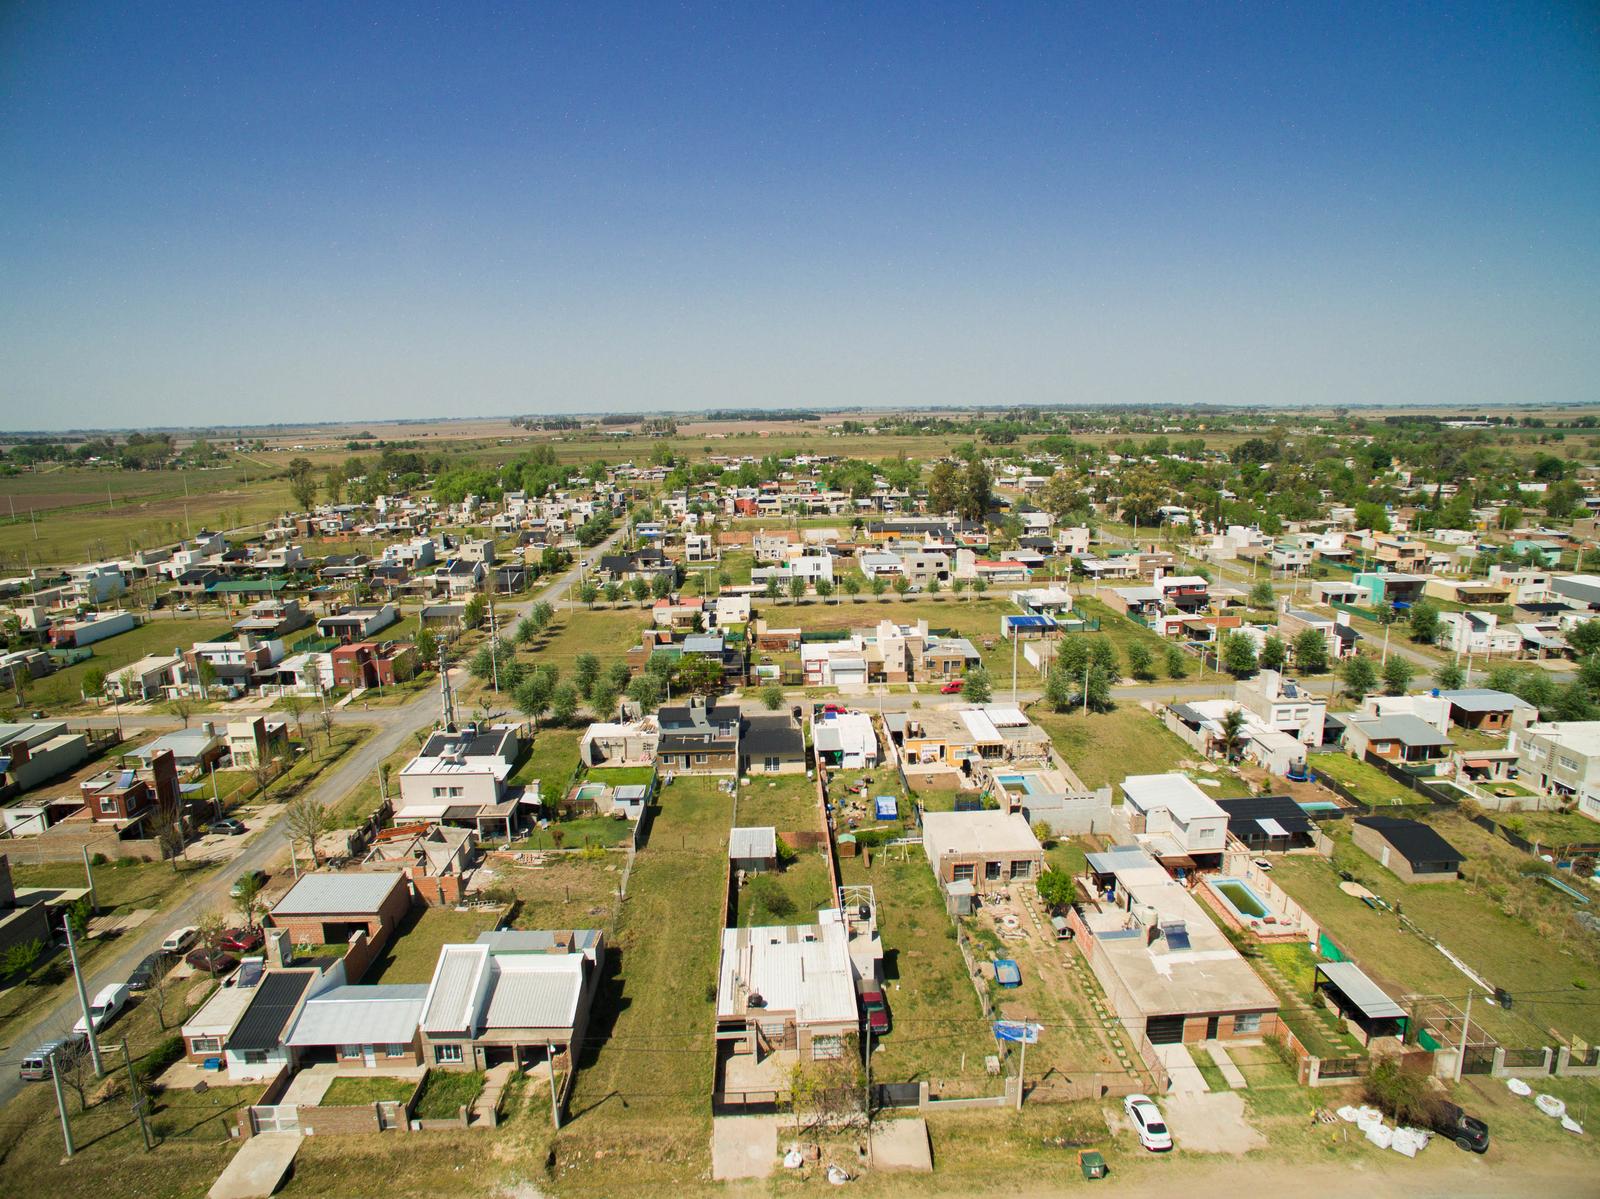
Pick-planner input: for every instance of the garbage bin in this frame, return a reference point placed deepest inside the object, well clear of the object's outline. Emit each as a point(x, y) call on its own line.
point(1092, 1164)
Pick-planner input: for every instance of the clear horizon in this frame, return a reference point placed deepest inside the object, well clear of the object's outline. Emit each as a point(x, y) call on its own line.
point(254, 216)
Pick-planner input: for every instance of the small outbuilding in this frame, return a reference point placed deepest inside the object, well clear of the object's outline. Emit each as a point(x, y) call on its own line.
point(1365, 1006)
point(753, 849)
point(1413, 851)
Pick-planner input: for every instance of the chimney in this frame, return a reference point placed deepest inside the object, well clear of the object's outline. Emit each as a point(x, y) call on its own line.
point(280, 952)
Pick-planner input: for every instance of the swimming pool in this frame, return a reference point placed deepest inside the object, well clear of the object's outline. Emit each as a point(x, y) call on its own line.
point(1016, 782)
point(590, 792)
point(1239, 896)
point(1317, 805)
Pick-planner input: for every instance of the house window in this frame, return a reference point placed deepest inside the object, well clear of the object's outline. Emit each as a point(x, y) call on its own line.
point(396, 1050)
point(254, 1057)
point(1021, 869)
point(440, 792)
point(991, 872)
point(349, 1051)
point(447, 1054)
point(1247, 1022)
point(963, 872)
point(771, 765)
point(205, 1045)
point(108, 805)
point(701, 759)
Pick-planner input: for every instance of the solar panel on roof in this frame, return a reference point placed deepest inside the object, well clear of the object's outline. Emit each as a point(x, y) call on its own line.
point(125, 780)
point(1176, 935)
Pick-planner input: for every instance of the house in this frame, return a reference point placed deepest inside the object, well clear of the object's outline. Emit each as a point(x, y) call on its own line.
point(1281, 703)
point(123, 795)
point(1337, 635)
point(327, 908)
point(628, 744)
point(772, 743)
point(844, 740)
point(753, 849)
point(985, 848)
point(787, 987)
point(257, 740)
point(513, 996)
point(155, 676)
point(458, 773)
point(35, 751)
point(1413, 851)
point(699, 737)
point(237, 664)
point(1174, 817)
point(435, 857)
point(1478, 633)
point(1169, 972)
point(361, 665)
point(90, 628)
point(368, 1026)
point(192, 748)
point(443, 617)
point(1268, 823)
point(1562, 759)
point(357, 622)
point(1404, 740)
point(1487, 711)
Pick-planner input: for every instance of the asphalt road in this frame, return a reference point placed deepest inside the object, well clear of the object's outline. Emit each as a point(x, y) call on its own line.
point(394, 726)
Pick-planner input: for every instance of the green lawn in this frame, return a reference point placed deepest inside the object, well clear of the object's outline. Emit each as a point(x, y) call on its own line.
point(786, 802)
point(791, 895)
point(621, 776)
point(1106, 748)
point(1123, 632)
point(446, 1092)
point(158, 635)
point(1365, 781)
point(604, 831)
point(552, 759)
point(1550, 828)
point(350, 1091)
point(413, 952)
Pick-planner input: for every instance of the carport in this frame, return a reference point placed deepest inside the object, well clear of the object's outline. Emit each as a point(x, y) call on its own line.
point(1365, 1006)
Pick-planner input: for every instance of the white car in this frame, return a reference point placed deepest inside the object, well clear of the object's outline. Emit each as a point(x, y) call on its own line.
point(179, 939)
point(1147, 1122)
point(104, 1009)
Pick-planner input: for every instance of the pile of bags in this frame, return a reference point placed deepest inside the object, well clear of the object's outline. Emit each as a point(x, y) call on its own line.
point(1407, 1141)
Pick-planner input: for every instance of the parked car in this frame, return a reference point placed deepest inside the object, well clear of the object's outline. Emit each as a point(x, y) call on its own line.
point(242, 940)
point(834, 709)
point(260, 877)
point(212, 961)
point(1147, 1122)
point(103, 1010)
point(875, 1007)
point(228, 827)
point(179, 939)
point(953, 687)
point(36, 1065)
point(1468, 1132)
point(148, 970)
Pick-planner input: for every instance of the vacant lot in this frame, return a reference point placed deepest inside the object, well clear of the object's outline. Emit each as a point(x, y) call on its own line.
point(414, 951)
point(567, 890)
point(643, 1093)
point(1106, 747)
point(606, 633)
point(158, 635)
point(1365, 781)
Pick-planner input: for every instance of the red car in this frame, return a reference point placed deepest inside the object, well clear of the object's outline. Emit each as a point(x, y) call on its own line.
point(875, 1008)
point(833, 709)
point(241, 940)
point(953, 687)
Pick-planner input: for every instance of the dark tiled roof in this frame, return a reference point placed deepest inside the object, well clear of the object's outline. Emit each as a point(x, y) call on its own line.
point(1243, 814)
point(263, 1022)
point(1415, 842)
point(774, 734)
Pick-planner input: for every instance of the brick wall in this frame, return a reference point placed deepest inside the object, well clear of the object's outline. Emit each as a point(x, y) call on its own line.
point(439, 892)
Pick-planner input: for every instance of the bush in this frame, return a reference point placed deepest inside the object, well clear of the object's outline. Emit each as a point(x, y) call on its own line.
point(1399, 1093)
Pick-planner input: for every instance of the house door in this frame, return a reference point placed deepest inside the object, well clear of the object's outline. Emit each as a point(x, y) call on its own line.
point(369, 1055)
point(1211, 1027)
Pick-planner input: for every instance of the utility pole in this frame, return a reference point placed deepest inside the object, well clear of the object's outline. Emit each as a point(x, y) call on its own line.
point(137, 1096)
point(1022, 1064)
point(555, 1107)
point(1461, 1053)
point(83, 1002)
point(61, 1100)
point(88, 872)
point(494, 638)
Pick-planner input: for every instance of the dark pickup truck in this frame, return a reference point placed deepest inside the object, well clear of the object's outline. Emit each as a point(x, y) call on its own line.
point(1468, 1132)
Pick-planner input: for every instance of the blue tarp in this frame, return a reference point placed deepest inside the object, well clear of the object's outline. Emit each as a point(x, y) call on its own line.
point(1016, 1030)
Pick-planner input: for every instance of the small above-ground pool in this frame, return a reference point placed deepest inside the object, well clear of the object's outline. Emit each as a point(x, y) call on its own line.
point(1240, 898)
point(1007, 973)
point(1317, 805)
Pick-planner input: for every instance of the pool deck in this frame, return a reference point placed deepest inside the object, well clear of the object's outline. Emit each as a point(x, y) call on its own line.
point(1259, 929)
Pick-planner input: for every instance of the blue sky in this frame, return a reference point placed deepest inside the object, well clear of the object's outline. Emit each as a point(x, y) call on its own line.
point(223, 214)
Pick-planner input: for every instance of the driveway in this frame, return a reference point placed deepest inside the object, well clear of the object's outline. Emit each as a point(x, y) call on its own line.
point(1210, 1122)
point(743, 1147)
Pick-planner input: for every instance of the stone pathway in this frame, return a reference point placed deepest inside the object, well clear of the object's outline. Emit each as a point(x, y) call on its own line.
point(1230, 1072)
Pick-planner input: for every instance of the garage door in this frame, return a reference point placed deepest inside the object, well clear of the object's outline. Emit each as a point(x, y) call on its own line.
point(1164, 1030)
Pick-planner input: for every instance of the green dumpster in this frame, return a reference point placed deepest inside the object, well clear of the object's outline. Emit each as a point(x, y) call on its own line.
point(1092, 1164)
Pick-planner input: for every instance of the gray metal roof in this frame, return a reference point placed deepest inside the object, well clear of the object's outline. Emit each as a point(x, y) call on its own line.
point(1402, 727)
point(448, 1007)
point(543, 998)
point(752, 843)
point(337, 894)
point(375, 1015)
point(1360, 990)
point(1483, 699)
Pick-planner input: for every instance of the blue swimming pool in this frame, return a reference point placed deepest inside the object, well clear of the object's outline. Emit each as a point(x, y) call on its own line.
point(1016, 782)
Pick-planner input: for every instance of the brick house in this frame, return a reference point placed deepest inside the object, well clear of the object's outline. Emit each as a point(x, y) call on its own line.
point(328, 909)
point(123, 795)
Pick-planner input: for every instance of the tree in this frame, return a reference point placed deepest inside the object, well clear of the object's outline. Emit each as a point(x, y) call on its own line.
point(1424, 621)
point(618, 674)
point(563, 704)
point(533, 695)
point(773, 587)
point(1359, 676)
point(179, 706)
point(526, 631)
point(1261, 594)
point(828, 1092)
point(976, 491)
point(1274, 654)
point(207, 671)
point(934, 586)
point(797, 588)
point(209, 931)
point(852, 585)
point(1095, 691)
point(699, 674)
point(1310, 651)
point(944, 486)
point(306, 819)
point(1238, 655)
point(1397, 675)
point(585, 673)
point(824, 589)
point(1450, 676)
point(1141, 661)
point(1584, 638)
point(661, 585)
point(18, 959)
point(541, 616)
point(473, 613)
point(646, 692)
point(957, 586)
point(603, 698)
point(333, 483)
point(978, 688)
point(879, 585)
point(302, 483)
point(612, 590)
point(482, 665)
point(979, 586)
point(1057, 891)
point(246, 895)
point(94, 682)
point(1058, 688)
point(639, 590)
point(1177, 664)
point(772, 697)
point(1232, 732)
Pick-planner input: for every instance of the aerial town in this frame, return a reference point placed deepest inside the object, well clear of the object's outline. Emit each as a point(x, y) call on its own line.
point(879, 799)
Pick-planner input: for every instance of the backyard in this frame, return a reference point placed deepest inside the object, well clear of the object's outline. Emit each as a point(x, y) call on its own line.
point(413, 952)
point(791, 895)
point(567, 890)
point(787, 802)
point(552, 760)
point(1107, 747)
point(1364, 780)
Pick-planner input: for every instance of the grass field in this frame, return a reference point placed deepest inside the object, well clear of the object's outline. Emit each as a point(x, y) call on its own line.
point(160, 634)
point(643, 1093)
point(567, 891)
point(603, 831)
point(446, 1092)
point(786, 802)
point(1365, 781)
point(350, 1091)
point(1106, 747)
point(551, 760)
point(413, 952)
point(791, 895)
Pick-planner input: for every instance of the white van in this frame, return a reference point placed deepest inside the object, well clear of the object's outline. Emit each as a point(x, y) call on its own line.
point(178, 939)
point(104, 1009)
point(36, 1066)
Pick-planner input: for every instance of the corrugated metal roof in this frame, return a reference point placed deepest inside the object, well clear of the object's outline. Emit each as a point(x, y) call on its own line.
point(1360, 990)
point(375, 1015)
point(535, 991)
point(449, 1003)
point(752, 843)
point(324, 894)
